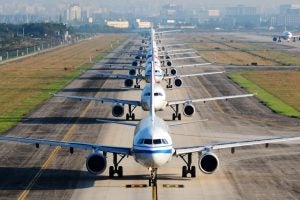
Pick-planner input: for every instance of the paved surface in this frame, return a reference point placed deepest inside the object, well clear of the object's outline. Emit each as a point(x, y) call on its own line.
point(250, 173)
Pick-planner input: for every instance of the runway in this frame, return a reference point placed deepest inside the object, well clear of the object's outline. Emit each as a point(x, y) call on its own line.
point(250, 173)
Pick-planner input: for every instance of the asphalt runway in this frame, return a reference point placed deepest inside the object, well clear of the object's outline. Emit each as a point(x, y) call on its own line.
point(250, 173)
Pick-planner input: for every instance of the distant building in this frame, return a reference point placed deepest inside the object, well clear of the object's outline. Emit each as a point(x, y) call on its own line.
point(240, 15)
point(143, 24)
point(118, 24)
point(74, 13)
point(289, 15)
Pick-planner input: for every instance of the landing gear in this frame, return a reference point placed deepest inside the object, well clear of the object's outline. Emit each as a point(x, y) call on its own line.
point(153, 177)
point(169, 83)
point(137, 83)
point(176, 113)
point(116, 169)
point(130, 114)
point(188, 169)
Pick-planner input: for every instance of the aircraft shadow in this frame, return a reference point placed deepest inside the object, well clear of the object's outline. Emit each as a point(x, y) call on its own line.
point(12, 178)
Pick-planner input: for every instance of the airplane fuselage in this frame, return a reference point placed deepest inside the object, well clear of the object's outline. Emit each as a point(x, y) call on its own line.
point(152, 144)
point(159, 102)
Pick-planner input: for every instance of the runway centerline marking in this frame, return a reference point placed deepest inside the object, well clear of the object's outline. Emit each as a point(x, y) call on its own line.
point(52, 155)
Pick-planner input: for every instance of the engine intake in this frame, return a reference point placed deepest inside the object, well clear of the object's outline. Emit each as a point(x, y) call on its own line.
point(96, 163)
point(178, 82)
point(173, 71)
point(118, 110)
point(188, 110)
point(135, 63)
point(208, 162)
point(128, 83)
point(169, 63)
point(274, 39)
point(132, 72)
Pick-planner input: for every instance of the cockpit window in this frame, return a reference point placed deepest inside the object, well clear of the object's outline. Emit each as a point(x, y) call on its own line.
point(147, 94)
point(157, 141)
point(164, 141)
point(147, 141)
point(157, 94)
point(141, 141)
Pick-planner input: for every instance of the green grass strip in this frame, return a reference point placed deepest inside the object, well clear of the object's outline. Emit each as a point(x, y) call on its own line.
point(10, 120)
point(274, 103)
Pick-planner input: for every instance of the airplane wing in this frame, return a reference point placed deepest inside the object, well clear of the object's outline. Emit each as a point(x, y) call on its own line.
point(188, 75)
point(227, 145)
point(75, 145)
point(121, 76)
point(182, 58)
point(192, 65)
point(111, 100)
point(170, 103)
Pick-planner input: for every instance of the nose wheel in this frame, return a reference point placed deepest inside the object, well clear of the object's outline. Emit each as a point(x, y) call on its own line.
point(153, 177)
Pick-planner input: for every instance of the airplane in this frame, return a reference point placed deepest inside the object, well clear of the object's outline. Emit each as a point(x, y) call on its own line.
point(152, 148)
point(286, 35)
point(160, 103)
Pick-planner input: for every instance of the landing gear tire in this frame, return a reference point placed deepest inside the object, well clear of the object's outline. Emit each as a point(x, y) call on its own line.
point(179, 116)
point(111, 172)
point(127, 116)
point(173, 116)
point(120, 171)
point(133, 116)
point(184, 172)
point(193, 172)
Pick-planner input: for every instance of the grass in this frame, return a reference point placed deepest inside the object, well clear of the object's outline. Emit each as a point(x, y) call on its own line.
point(27, 83)
point(224, 51)
point(279, 90)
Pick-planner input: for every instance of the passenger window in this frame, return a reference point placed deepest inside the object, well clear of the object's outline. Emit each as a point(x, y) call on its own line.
point(157, 141)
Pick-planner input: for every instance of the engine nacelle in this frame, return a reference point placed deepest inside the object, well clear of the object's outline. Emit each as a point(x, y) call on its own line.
point(208, 162)
point(167, 57)
point(117, 110)
point(178, 82)
point(135, 63)
point(188, 110)
point(141, 48)
point(173, 71)
point(128, 83)
point(274, 39)
point(168, 63)
point(96, 163)
point(132, 72)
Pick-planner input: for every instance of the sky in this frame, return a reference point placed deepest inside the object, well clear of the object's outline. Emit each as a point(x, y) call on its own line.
point(54, 6)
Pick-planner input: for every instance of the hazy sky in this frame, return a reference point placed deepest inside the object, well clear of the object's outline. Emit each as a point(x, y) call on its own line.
point(44, 6)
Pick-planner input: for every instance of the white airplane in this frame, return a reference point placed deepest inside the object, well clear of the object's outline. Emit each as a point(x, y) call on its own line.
point(160, 103)
point(152, 147)
point(286, 35)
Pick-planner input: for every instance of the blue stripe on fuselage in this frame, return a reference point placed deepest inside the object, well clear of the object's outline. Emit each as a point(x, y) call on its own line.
point(163, 151)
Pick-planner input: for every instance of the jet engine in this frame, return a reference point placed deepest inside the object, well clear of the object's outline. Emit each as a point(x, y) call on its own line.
point(167, 57)
point(178, 82)
point(132, 72)
point(117, 110)
point(188, 110)
point(173, 71)
point(169, 63)
point(208, 162)
point(96, 163)
point(128, 82)
point(274, 39)
point(135, 63)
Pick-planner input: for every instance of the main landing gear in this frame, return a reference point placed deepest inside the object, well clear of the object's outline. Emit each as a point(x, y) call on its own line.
point(116, 169)
point(130, 114)
point(137, 83)
point(169, 83)
point(153, 177)
point(188, 169)
point(176, 113)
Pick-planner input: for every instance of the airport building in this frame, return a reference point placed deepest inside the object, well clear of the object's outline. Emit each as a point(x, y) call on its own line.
point(118, 24)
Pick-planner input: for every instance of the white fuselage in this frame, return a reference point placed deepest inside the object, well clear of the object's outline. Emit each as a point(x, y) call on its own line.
point(152, 144)
point(159, 102)
point(286, 35)
point(158, 74)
